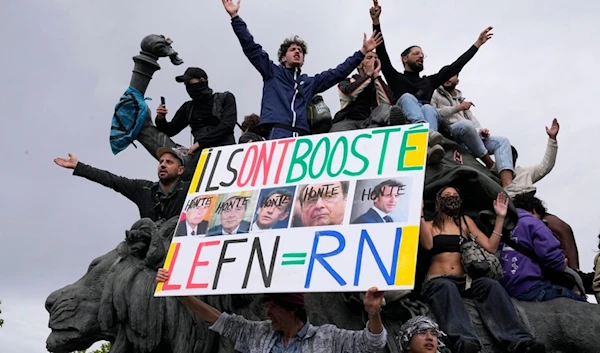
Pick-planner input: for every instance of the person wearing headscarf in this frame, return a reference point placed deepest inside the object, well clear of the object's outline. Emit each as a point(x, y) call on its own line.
point(421, 334)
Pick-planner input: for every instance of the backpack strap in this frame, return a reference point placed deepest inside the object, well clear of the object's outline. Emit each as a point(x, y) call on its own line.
point(520, 248)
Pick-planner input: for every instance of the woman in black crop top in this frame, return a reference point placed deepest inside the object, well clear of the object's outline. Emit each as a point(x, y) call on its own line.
point(446, 282)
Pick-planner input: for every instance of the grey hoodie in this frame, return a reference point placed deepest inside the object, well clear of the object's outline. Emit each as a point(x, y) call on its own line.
point(446, 105)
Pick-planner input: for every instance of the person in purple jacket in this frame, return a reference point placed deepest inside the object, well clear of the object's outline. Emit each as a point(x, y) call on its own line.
point(287, 92)
point(523, 278)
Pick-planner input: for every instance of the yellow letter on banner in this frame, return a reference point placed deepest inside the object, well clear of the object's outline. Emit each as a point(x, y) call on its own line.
point(413, 149)
point(407, 257)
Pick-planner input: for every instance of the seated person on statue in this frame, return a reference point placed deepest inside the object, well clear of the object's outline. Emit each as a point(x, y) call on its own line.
point(525, 277)
point(286, 91)
point(211, 116)
point(250, 129)
point(414, 92)
point(289, 329)
point(446, 282)
point(466, 130)
point(155, 200)
point(366, 101)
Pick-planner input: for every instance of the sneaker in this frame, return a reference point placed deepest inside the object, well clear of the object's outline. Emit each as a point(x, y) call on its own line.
point(397, 116)
point(435, 138)
point(435, 154)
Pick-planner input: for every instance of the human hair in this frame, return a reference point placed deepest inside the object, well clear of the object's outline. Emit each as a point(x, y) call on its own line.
point(378, 189)
point(250, 122)
point(345, 185)
point(282, 192)
point(438, 216)
point(288, 42)
point(530, 203)
point(598, 241)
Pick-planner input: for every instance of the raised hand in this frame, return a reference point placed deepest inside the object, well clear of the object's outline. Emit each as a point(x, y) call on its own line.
point(377, 70)
point(375, 12)
point(371, 43)
point(373, 300)
point(161, 111)
point(553, 130)
point(69, 163)
point(369, 67)
point(484, 37)
point(501, 205)
point(161, 276)
point(231, 7)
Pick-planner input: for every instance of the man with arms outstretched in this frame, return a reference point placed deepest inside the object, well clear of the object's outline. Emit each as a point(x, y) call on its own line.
point(287, 92)
point(289, 329)
point(155, 200)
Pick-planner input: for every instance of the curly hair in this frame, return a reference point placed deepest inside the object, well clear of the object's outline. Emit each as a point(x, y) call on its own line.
point(288, 42)
point(250, 122)
point(530, 203)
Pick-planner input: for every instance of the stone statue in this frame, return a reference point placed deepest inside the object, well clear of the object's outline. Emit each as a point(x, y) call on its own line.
point(115, 300)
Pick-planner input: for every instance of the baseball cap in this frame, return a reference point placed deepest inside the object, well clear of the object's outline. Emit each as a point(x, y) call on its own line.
point(190, 73)
point(174, 151)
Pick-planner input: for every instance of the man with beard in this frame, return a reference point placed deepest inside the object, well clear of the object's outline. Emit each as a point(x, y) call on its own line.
point(385, 199)
point(211, 116)
point(288, 93)
point(413, 91)
point(155, 200)
point(466, 129)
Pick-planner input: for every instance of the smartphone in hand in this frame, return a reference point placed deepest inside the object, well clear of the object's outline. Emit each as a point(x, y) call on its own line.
point(162, 100)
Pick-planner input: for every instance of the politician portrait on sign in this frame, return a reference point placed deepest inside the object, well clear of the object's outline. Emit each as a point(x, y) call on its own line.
point(381, 201)
point(321, 204)
point(233, 213)
point(273, 210)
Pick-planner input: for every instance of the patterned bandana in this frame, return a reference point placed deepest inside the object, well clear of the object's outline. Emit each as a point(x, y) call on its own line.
point(416, 324)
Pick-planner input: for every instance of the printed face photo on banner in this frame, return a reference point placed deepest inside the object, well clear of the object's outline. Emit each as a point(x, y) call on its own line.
point(233, 213)
point(320, 204)
point(381, 200)
point(273, 209)
point(196, 213)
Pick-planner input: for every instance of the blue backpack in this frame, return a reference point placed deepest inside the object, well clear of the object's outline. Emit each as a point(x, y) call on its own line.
point(128, 119)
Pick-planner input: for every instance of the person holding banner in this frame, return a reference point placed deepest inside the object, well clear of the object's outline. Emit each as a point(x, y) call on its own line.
point(446, 282)
point(288, 93)
point(289, 329)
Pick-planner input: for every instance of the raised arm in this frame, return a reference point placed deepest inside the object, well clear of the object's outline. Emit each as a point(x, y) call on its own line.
point(386, 64)
point(490, 243)
point(329, 78)
point(384, 92)
point(541, 169)
point(253, 51)
point(425, 234)
point(450, 70)
point(180, 120)
point(129, 188)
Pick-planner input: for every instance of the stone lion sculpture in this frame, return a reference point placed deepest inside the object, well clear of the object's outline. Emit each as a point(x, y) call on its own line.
point(115, 301)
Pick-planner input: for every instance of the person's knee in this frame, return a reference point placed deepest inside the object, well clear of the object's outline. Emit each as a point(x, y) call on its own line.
point(465, 127)
point(429, 110)
point(406, 98)
point(502, 141)
point(486, 285)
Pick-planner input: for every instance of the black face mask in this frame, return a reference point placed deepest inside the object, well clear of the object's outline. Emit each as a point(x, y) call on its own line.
point(450, 205)
point(199, 90)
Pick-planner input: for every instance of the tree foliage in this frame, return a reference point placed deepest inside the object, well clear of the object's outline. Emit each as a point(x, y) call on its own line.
point(104, 348)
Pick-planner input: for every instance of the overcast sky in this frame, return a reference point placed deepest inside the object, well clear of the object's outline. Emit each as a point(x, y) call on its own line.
point(66, 64)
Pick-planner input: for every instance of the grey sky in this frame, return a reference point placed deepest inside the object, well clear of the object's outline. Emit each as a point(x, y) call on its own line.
point(66, 63)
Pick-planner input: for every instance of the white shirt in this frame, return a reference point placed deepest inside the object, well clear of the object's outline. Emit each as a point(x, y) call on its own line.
point(380, 213)
point(234, 231)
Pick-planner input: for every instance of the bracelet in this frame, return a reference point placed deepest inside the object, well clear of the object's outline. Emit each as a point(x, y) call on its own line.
point(498, 234)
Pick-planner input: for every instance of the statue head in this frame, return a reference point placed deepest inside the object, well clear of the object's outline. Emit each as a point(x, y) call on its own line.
point(160, 46)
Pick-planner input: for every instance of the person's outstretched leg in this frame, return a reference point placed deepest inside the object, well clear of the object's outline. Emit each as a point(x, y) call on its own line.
point(500, 147)
point(443, 296)
point(500, 317)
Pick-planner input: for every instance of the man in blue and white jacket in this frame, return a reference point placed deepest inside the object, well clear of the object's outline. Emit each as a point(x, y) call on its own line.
point(287, 92)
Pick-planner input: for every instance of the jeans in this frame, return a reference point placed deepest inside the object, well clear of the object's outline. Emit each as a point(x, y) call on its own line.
point(545, 291)
point(418, 113)
point(465, 133)
point(444, 296)
point(152, 138)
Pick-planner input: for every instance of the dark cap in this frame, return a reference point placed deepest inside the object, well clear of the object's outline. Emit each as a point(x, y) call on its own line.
point(174, 151)
point(190, 73)
point(286, 299)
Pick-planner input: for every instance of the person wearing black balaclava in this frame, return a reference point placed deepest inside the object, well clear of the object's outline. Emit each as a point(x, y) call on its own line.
point(211, 116)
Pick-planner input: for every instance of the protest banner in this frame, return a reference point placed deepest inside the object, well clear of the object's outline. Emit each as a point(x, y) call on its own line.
point(332, 212)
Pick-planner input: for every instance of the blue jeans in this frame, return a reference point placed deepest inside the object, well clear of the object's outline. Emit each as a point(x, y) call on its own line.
point(465, 133)
point(418, 113)
point(496, 310)
point(545, 291)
